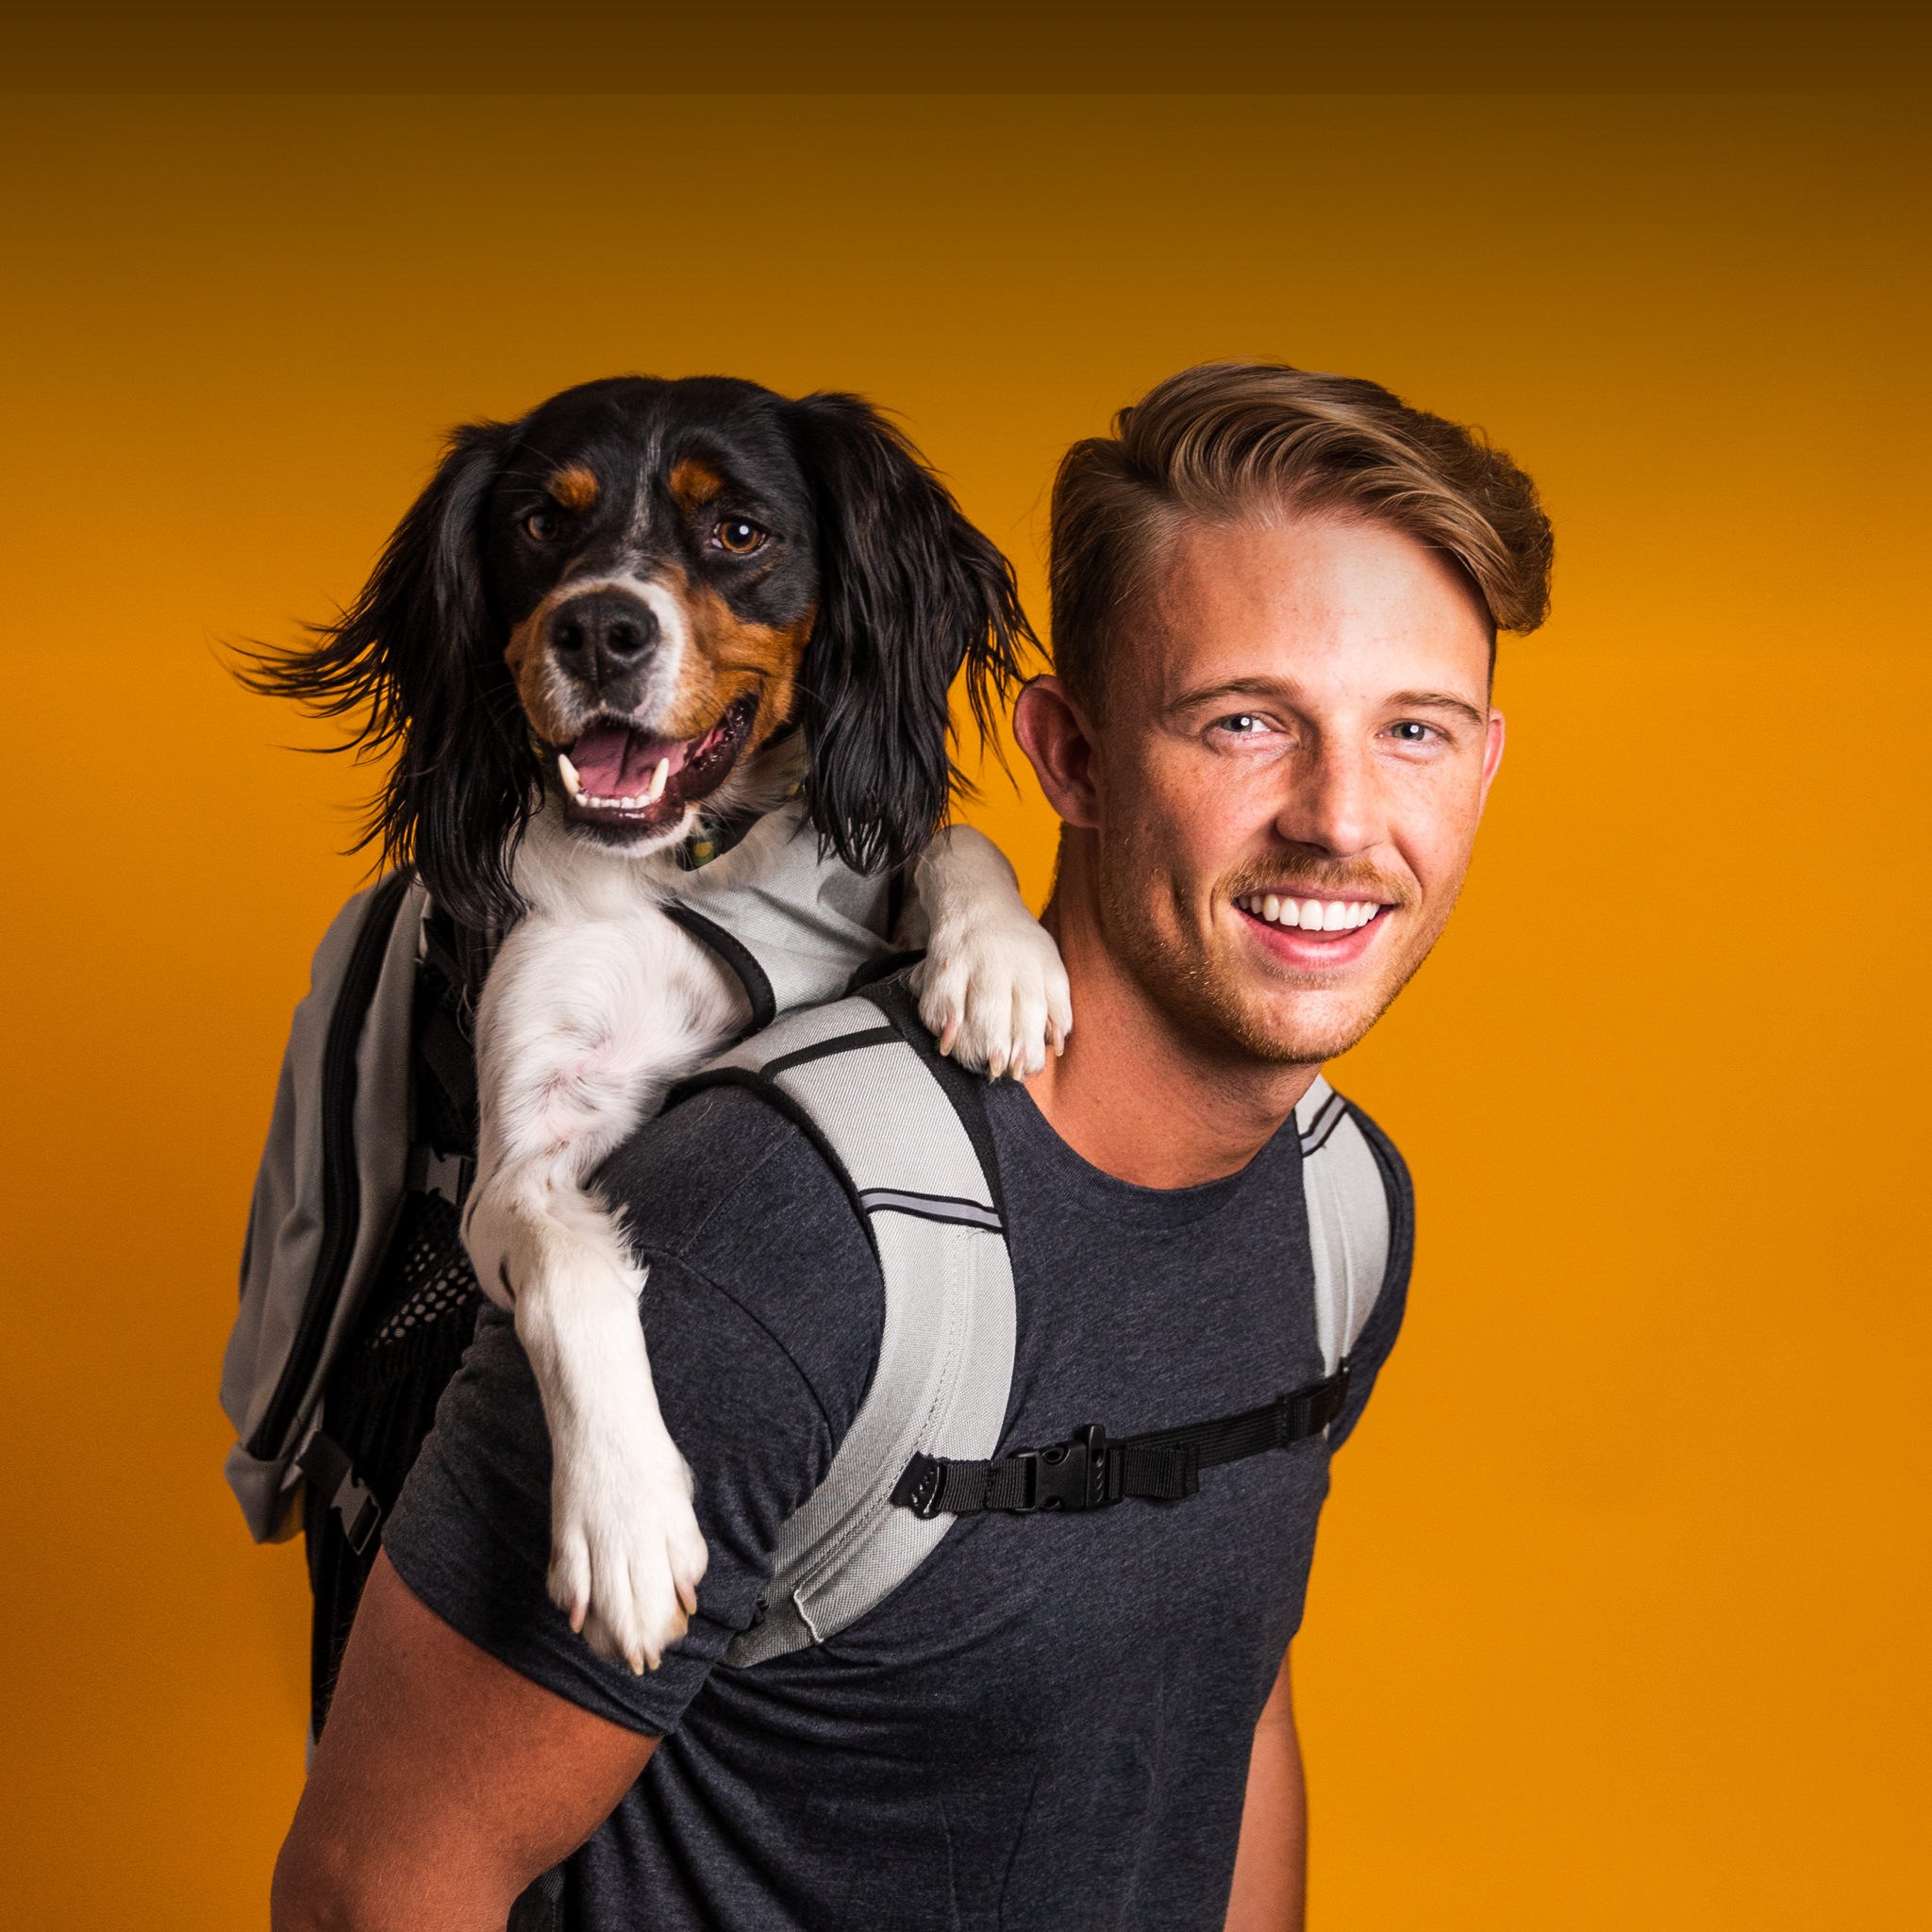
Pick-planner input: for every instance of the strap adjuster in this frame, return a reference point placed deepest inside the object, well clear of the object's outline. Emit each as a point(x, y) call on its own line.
point(448, 1175)
point(326, 1464)
point(918, 1489)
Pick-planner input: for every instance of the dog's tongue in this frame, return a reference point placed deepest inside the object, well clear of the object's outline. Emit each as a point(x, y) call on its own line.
point(614, 762)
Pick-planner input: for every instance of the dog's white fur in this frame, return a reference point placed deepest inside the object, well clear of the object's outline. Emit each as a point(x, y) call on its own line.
point(596, 1003)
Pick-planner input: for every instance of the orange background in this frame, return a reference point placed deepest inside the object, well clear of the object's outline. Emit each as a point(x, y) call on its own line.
point(1620, 1614)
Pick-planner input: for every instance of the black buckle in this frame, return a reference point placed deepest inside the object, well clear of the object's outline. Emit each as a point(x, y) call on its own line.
point(448, 1175)
point(1066, 1476)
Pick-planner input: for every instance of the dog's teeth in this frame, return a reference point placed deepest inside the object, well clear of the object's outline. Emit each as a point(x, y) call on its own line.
point(568, 772)
point(659, 778)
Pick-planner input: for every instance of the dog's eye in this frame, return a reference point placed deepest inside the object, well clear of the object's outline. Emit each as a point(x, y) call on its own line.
point(739, 537)
point(542, 527)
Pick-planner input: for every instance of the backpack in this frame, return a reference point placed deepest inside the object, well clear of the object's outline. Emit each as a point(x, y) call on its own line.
point(905, 1132)
point(354, 1151)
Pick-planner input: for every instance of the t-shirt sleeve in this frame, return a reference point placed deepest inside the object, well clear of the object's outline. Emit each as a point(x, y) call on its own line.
point(470, 1533)
point(1385, 1320)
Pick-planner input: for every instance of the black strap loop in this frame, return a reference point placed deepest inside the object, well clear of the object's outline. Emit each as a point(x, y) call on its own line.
point(1088, 1471)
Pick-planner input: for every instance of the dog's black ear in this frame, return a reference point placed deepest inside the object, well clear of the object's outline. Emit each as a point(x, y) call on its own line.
point(417, 662)
point(908, 591)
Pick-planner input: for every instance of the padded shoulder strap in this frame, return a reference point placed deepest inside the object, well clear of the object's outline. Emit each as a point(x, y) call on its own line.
point(1348, 1219)
point(851, 1078)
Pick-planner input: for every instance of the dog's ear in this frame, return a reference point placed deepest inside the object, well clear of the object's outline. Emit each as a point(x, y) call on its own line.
point(417, 662)
point(908, 591)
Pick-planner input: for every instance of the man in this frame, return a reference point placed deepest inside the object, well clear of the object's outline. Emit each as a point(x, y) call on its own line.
point(1275, 598)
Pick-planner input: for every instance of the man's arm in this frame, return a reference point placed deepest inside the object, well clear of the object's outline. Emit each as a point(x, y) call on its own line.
point(444, 1782)
point(1271, 1866)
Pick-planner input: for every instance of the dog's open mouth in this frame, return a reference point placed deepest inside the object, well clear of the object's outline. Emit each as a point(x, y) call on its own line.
point(616, 775)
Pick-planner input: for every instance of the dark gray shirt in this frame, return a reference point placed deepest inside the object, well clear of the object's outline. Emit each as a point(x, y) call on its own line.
point(1046, 1728)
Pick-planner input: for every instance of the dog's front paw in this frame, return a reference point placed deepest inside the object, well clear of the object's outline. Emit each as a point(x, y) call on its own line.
point(995, 994)
point(625, 1553)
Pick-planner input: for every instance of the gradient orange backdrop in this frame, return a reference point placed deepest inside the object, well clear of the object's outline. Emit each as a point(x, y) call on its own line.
point(1620, 1614)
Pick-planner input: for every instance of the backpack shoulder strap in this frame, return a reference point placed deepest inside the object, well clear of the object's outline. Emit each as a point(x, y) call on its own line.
point(922, 1179)
point(1349, 1219)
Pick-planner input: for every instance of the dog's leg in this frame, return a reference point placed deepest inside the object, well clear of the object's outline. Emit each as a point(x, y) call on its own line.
point(991, 985)
point(583, 1026)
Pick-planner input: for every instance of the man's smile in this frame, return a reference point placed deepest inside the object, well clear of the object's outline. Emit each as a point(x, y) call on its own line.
point(1308, 931)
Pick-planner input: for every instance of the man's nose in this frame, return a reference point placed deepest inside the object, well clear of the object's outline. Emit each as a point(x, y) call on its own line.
point(601, 638)
point(1331, 804)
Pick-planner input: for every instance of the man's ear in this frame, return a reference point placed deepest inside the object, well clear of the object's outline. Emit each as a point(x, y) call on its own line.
point(1493, 751)
point(418, 655)
point(909, 592)
point(1059, 745)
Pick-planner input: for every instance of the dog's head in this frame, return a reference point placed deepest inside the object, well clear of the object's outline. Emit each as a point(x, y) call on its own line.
point(627, 594)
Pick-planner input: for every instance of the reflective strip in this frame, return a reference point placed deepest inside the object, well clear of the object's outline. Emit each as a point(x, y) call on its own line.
point(930, 1207)
point(1327, 1118)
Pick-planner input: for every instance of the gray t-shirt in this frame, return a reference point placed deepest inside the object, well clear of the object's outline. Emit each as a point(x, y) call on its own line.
point(1046, 1727)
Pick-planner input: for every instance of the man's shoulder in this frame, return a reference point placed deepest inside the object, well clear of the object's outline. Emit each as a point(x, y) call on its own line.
point(736, 1194)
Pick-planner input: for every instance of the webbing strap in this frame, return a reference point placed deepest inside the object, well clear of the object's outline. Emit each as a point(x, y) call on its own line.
point(1089, 1471)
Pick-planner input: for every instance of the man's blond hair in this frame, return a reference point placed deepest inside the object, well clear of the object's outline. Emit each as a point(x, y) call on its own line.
point(1229, 442)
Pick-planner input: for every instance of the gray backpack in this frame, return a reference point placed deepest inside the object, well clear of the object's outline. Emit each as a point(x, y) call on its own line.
point(340, 1161)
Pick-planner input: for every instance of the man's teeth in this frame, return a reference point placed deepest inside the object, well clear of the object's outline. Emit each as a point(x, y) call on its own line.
point(1311, 915)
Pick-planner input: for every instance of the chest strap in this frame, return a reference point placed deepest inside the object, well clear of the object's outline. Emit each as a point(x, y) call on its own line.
point(1089, 1471)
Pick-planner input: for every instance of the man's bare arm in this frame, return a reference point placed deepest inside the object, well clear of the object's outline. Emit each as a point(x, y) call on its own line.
point(1271, 1866)
point(444, 1782)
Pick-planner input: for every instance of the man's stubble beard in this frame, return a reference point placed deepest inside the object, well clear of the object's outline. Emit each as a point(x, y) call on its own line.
point(1213, 1000)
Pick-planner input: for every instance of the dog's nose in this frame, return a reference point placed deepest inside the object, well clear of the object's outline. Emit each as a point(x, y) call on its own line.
point(601, 635)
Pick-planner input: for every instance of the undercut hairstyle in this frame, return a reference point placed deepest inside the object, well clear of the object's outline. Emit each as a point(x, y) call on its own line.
point(1227, 443)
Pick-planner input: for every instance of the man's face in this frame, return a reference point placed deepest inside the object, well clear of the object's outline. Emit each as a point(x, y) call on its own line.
point(1290, 778)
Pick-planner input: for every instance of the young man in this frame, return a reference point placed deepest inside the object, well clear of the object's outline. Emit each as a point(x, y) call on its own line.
point(1275, 598)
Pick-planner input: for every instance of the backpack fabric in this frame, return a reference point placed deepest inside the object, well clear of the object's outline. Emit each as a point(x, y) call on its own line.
point(332, 1178)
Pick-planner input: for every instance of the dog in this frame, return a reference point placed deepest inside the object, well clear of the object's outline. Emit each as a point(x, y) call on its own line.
point(645, 617)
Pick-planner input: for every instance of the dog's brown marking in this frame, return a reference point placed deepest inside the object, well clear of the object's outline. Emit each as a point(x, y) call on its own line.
point(539, 688)
point(694, 484)
point(728, 657)
point(575, 489)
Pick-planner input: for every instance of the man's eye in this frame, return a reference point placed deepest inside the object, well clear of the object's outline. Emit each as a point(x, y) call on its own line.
point(1409, 732)
point(542, 527)
point(739, 536)
point(1244, 725)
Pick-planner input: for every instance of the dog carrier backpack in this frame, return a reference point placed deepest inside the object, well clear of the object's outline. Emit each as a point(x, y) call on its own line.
point(906, 1135)
point(348, 1149)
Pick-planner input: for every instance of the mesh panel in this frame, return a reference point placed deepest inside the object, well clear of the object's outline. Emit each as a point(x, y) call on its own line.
point(429, 1275)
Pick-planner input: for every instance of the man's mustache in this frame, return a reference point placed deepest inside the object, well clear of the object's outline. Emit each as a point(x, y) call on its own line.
point(1310, 877)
